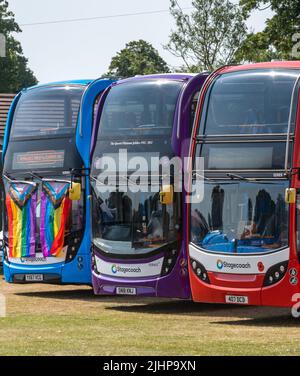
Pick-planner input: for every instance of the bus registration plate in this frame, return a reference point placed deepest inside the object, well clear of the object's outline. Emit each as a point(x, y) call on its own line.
point(126, 291)
point(34, 277)
point(234, 299)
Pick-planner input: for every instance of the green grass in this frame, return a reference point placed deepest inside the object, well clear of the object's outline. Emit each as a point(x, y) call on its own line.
point(68, 320)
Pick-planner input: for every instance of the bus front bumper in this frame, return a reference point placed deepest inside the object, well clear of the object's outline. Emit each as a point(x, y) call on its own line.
point(281, 294)
point(78, 271)
point(173, 285)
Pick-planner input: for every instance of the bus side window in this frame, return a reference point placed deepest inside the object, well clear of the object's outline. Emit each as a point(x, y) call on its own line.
point(194, 108)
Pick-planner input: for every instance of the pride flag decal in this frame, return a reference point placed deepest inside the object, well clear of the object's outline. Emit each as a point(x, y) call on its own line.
point(21, 201)
point(55, 212)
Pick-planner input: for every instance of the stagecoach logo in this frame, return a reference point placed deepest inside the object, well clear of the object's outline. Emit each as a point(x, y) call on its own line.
point(123, 269)
point(229, 265)
point(114, 268)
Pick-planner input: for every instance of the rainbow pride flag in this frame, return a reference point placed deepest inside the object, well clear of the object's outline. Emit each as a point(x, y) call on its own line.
point(21, 201)
point(55, 214)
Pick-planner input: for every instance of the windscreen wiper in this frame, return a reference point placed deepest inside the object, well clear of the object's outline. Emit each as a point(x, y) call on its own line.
point(101, 182)
point(83, 171)
point(127, 178)
point(239, 177)
point(195, 173)
point(40, 178)
point(72, 172)
point(11, 180)
point(34, 175)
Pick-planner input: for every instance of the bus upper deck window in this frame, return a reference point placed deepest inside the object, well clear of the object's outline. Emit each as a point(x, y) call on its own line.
point(140, 108)
point(250, 102)
point(47, 111)
point(194, 108)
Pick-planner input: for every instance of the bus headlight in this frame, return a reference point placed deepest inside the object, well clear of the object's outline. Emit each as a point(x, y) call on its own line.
point(5, 253)
point(169, 261)
point(73, 240)
point(275, 273)
point(200, 271)
point(94, 263)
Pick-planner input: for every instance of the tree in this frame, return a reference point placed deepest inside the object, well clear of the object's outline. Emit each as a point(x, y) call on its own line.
point(138, 57)
point(210, 36)
point(276, 41)
point(14, 72)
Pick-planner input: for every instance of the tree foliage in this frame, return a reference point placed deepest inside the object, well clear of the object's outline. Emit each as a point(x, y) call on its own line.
point(210, 36)
point(276, 40)
point(14, 72)
point(138, 57)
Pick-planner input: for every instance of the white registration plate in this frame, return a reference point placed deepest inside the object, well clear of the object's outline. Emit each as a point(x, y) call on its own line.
point(235, 299)
point(126, 291)
point(34, 277)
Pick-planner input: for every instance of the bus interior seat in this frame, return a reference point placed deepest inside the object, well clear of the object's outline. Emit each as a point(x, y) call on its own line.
point(169, 119)
point(120, 120)
point(146, 117)
point(251, 117)
point(283, 115)
point(129, 120)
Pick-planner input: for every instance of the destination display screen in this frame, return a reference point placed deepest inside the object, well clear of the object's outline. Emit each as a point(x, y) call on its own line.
point(134, 153)
point(251, 156)
point(225, 158)
point(38, 159)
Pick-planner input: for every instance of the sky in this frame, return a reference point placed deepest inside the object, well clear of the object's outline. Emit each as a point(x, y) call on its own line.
point(75, 50)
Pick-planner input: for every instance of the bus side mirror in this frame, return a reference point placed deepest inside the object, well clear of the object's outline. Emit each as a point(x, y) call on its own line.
point(290, 195)
point(75, 191)
point(166, 195)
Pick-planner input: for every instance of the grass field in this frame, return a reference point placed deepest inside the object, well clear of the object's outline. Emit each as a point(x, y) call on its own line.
point(68, 320)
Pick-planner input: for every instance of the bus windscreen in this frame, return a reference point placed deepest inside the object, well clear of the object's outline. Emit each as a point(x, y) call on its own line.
point(241, 217)
point(133, 223)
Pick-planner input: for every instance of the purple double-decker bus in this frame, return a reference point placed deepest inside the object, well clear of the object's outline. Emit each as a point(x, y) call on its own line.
point(137, 227)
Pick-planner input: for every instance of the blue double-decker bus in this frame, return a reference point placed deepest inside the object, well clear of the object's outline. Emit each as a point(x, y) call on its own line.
point(46, 155)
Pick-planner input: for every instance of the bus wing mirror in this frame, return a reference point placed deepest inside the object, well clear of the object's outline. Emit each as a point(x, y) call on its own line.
point(166, 195)
point(75, 191)
point(290, 195)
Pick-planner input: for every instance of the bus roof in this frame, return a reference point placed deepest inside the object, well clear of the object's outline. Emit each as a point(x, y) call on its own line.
point(266, 65)
point(83, 82)
point(169, 76)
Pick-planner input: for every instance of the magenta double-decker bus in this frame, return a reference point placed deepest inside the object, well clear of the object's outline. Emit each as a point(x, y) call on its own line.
point(137, 239)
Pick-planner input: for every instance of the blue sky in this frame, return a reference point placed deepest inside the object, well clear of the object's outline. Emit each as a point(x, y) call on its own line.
point(84, 49)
